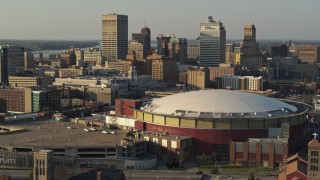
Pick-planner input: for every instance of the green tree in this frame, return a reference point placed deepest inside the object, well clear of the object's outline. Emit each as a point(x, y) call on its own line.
point(251, 176)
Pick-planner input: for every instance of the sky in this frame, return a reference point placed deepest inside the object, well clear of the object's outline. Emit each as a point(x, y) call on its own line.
point(81, 19)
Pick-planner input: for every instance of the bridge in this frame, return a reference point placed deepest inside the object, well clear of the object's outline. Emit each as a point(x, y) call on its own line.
point(21, 43)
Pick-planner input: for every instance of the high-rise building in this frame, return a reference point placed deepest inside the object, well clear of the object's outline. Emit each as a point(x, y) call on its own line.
point(114, 37)
point(198, 78)
point(144, 38)
point(230, 54)
point(162, 44)
point(28, 60)
point(4, 65)
point(177, 49)
point(212, 43)
point(250, 57)
point(11, 61)
point(163, 69)
point(249, 45)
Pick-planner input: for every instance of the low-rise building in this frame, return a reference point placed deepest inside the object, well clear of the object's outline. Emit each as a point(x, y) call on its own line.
point(70, 72)
point(241, 83)
point(24, 81)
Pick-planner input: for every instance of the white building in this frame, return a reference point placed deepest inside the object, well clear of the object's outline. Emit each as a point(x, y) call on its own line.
point(94, 56)
point(241, 83)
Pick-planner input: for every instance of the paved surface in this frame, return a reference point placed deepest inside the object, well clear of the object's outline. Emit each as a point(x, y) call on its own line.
point(57, 135)
point(16, 174)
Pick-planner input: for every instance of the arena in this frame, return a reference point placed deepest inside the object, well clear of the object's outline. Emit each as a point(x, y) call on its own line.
point(213, 118)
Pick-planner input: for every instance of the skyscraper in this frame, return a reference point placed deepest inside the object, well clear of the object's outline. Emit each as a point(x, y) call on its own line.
point(250, 56)
point(249, 41)
point(144, 38)
point(177, 49)
point(162, 44)
point(212, 43)
point(11, 61)
point(114, 37)
point(3, 65)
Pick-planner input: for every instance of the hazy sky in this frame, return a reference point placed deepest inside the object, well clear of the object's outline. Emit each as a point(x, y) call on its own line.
point(81, 19)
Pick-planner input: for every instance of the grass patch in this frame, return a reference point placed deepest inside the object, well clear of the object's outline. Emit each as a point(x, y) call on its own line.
point(211, 167)
point(244, 169)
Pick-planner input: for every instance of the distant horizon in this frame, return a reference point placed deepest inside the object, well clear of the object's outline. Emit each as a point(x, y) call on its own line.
point(81, 20)
point(274, 40)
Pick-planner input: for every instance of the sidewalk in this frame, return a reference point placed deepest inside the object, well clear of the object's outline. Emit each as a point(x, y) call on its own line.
point(191, 167)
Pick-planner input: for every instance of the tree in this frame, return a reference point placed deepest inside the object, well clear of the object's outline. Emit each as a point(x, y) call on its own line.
point(251, 176)
point(183, 157)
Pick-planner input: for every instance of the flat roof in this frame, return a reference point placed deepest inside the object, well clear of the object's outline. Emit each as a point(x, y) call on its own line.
point(51, 135)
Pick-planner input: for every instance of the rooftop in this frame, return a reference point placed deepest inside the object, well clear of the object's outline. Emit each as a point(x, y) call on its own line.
point(50, 135)
point(219, 103)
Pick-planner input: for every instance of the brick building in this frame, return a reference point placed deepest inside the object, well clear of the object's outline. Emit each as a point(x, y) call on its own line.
point(15, 100)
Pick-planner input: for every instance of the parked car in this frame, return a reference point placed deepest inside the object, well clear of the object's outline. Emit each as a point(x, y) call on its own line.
point(87, 130)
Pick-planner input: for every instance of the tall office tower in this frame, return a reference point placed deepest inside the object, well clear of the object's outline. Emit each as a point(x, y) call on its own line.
point(11, 61)
point(212, 43)
point(249, 45)
point(229, 53)
point(144, 38)
point(250, 56)
point(162, 44)
point(114, 37)
point(4, 65)
point(177, 49)
point(28, 60)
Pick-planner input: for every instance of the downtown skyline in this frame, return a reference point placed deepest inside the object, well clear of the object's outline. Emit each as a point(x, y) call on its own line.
point(81, 20)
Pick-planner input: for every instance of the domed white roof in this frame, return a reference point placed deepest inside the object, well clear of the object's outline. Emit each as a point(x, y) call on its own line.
point(216, 101)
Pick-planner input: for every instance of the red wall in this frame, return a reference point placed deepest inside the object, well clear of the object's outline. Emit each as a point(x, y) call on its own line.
point(124, 106)
point(204, 138)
